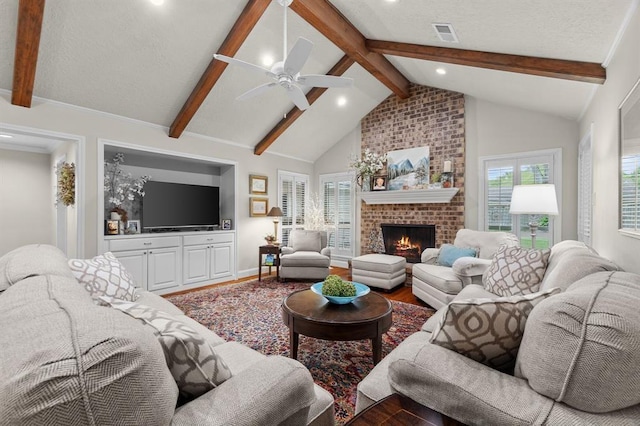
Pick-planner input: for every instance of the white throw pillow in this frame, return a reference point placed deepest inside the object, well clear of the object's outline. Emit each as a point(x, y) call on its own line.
point(487, 330)
point(104, 275)
point(193, 363)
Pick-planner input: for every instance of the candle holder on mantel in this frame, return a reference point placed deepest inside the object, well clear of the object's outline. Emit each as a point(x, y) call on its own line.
point(447, 175)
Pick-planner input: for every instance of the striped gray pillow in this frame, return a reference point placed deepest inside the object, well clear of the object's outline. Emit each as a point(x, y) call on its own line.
point(487, 330)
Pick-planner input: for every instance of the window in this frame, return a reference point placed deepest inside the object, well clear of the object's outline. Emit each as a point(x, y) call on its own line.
point(500, 174)
point(292, 193)
point(337, 195)
point(630, 162)
point(585, 190)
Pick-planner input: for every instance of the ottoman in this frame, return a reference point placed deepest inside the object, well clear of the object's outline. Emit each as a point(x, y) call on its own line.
point(379, 270)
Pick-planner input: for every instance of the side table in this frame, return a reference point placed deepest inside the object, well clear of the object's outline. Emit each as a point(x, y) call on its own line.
point(397, 409)
point(269, 249)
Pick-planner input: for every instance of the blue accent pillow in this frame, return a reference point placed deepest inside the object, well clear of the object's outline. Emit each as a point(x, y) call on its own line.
point(450, 253)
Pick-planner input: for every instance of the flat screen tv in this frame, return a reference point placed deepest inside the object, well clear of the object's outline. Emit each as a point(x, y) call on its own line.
point(177, 205)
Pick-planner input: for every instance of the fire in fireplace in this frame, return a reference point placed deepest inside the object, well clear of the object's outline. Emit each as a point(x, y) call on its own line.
point(408, 241)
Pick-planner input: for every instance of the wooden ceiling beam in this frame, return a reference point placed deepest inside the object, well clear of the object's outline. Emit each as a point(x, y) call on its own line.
point(30, 14)
point(325, 18)
point(338, 69)
point(588, 72)
point(238, 34)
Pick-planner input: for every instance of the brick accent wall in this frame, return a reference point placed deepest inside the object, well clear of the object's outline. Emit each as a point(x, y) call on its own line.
point(430, 117)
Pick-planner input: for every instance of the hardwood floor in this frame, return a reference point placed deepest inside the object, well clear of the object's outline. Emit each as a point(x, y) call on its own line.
point(400, 294)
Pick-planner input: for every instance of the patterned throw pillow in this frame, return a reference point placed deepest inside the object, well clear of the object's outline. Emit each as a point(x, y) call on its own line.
point(487, 330)
point(193, 363)
point(104, 275)
point(516, 270)
point(450, 253)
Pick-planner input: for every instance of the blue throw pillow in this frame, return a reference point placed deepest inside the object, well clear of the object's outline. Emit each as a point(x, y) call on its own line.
point(450, 253)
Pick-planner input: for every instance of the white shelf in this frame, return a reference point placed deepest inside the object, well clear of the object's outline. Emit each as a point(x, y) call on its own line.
point(415, 196)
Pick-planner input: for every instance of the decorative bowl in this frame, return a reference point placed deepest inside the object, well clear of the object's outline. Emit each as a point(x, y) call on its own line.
point(361, 290)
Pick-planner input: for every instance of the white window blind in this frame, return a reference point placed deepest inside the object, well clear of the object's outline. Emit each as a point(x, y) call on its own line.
point(630, 193)
point(292, 193)
point(585, 189)
point(338, 199)
point(500, 174)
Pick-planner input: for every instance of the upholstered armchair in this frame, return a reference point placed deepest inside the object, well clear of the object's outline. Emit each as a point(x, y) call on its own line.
point(307, 256)
point(442, 273)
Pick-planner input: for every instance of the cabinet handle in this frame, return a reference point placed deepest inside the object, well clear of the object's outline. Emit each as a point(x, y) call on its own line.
point(147, 244)
point(150, 252)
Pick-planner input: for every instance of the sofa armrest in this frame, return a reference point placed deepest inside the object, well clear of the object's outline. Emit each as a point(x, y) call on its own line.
point(326, 251)
point(464, 389)
point(430, 255)
point(286, 250)
point(470, 266)
point(269, 392)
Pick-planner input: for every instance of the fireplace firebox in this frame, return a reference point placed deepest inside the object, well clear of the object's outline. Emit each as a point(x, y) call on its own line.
point(408, 241)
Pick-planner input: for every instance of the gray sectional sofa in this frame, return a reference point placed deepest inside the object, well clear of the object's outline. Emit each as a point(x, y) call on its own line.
point(66, 361)
point(578, 362)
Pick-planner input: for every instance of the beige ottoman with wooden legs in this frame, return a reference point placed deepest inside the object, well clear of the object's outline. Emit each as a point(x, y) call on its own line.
point(379, 270)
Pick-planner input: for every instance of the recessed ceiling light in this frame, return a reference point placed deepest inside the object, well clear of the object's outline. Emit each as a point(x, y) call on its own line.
point(267, 59)
point(391, 1)
point(441, 71)
point(157, 2)
point(342, 101)
point(6, 136)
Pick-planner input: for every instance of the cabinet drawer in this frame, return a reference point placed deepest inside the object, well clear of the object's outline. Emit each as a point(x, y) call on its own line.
point(223, 237)
point(143, 243)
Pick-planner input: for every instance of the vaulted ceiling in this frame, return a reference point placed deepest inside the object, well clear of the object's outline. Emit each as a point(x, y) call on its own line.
point(154, 63)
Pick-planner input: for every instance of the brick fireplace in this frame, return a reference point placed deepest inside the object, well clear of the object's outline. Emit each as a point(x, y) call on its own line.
point(430, 117)
point(407, 240)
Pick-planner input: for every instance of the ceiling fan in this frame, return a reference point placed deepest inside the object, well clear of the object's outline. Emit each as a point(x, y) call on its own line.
point(286, 73)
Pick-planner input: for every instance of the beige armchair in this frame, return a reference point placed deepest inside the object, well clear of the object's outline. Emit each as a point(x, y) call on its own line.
point(306, 257)
point(437, 285)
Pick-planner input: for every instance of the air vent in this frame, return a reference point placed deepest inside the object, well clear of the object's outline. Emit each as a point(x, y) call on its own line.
point(445, 32)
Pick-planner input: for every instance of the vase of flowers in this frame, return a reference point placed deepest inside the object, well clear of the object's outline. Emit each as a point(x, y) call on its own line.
point(120, 187)
point(366, 166)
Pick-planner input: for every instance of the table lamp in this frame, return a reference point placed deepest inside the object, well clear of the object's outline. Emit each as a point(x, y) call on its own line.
point(276, 214)
point(534, 200)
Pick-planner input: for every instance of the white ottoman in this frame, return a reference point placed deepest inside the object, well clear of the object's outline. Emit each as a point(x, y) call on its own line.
point(379, 270)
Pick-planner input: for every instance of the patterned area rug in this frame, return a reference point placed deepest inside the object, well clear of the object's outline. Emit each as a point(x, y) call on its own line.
point(250, 313)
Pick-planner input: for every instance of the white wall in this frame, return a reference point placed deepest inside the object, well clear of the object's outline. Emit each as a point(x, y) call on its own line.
point(26, 199)
point(93, 125)
point(493, 129)
point(622, 73)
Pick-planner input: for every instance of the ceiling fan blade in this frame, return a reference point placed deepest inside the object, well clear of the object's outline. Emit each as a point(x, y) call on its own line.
point(319, 80)
point(243, 64)
point(256, 91)
point(298, 97)
point(297, 56)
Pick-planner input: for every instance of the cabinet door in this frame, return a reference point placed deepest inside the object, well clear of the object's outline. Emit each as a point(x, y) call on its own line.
point(164, 268)
point(135, 262)
point(221, 260)
point(195, 264)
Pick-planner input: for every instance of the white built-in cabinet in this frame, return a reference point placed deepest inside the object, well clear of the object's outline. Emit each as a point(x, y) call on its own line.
point(166, 263)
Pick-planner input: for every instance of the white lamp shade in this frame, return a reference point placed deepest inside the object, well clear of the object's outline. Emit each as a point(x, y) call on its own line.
point(534, 199)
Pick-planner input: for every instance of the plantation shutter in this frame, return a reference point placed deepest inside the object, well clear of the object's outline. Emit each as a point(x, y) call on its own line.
point(337, 194)
point(630, 193)
point(500, 175)
point(585, 190)
point(292, 190)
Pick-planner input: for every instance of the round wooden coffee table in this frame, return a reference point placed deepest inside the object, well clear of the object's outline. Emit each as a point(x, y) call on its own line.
point(310, 314)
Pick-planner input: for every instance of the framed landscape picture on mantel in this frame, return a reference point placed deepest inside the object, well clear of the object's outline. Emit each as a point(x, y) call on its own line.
point(408, 169)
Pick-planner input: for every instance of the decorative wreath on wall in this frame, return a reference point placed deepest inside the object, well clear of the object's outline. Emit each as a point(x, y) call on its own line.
point(67, 184)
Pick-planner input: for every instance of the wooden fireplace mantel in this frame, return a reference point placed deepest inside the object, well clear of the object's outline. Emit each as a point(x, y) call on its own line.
point(414, 196)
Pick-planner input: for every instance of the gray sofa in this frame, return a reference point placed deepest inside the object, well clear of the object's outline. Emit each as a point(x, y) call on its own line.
point(578, 362)
point(66, 361)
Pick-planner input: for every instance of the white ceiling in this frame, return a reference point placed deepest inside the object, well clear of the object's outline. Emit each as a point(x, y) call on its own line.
point(134, 59)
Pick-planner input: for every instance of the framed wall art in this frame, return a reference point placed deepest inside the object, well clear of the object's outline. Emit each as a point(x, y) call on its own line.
point(226, 223)
point(258, 206)
point(258, 184)
point(379, 183)
point(408, 168)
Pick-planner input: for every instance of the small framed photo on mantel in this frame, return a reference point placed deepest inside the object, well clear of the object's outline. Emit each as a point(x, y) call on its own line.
point(258, 185)
point(379, 183)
